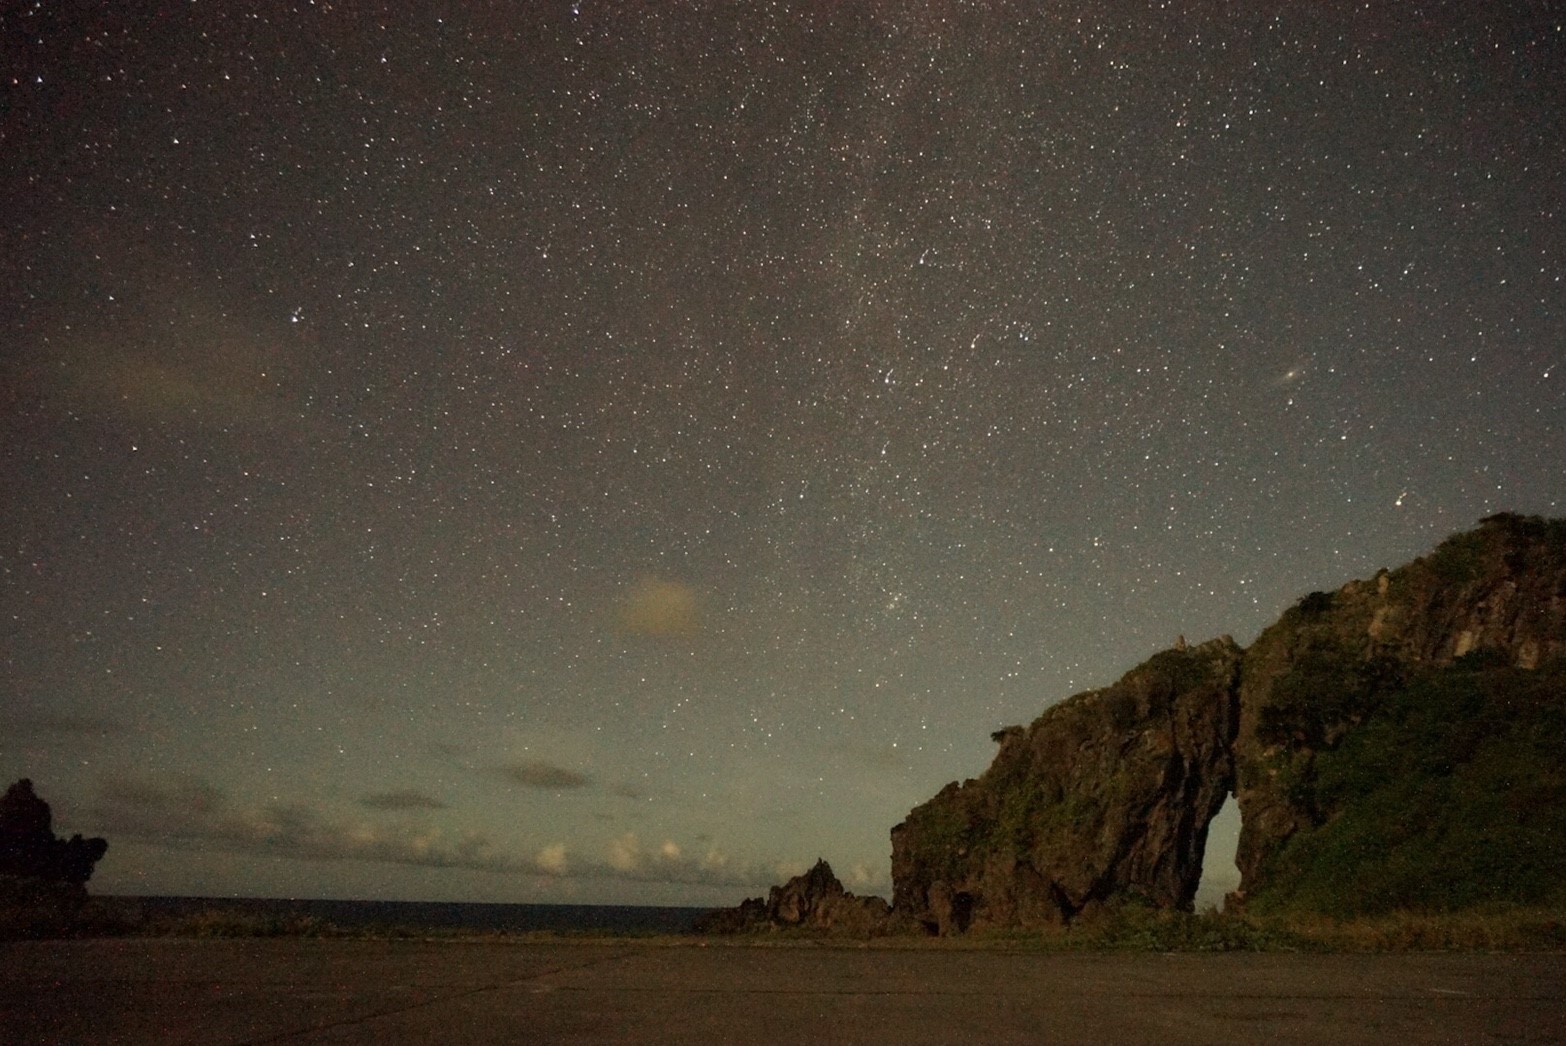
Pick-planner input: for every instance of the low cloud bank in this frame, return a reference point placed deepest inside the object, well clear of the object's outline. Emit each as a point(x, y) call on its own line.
point(191, 813)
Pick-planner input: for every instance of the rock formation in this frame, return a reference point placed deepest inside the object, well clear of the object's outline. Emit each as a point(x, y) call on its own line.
point(28, 847)
point(1108, 795)
point(815, 900)
point(1399, 742)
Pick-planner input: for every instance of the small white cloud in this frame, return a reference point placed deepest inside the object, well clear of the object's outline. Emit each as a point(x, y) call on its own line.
point(660, 608)
point(625, 853)
point(552, 859)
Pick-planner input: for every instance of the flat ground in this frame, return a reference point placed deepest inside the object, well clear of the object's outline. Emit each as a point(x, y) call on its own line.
point(362, 991)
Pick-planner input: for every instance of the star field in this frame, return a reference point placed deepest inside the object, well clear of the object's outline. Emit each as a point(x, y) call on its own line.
point(581, 452)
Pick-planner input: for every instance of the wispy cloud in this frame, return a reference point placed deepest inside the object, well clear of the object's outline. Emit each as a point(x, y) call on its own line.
point(537, 773)
point(189, 812)
point(627, 857)
point(659, 608)
point(404, 800)
point(204, 367)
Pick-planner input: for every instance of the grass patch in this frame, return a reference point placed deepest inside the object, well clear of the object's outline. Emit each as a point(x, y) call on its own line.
point(1133, 928)
point(1451, 796)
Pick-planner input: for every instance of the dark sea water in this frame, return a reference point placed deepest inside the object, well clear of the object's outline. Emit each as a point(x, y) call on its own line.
point(434, 915)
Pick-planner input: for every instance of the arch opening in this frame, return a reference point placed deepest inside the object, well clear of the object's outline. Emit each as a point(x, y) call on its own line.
point(1220, 874)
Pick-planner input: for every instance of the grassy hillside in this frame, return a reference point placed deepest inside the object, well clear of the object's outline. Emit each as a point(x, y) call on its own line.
point(1449, 795)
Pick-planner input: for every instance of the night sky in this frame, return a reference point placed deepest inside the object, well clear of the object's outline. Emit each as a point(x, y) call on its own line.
point(621, 453)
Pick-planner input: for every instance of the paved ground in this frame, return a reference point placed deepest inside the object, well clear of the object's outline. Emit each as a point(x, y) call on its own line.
point(210, 992)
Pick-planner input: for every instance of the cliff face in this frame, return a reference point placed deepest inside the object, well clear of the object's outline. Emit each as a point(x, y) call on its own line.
point(1109, 794)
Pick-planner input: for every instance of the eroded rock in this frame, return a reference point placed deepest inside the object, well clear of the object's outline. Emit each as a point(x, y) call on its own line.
point(815, 900)
point(1107, 794)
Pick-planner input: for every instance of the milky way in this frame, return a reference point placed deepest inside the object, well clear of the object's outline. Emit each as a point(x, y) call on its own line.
point(547, 452)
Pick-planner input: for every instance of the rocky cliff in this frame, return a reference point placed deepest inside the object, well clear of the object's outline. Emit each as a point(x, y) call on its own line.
point(815, 900)
point(1109, 794)
point(42, 877)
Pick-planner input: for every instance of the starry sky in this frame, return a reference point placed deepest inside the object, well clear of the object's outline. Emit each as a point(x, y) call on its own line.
point(618, 453)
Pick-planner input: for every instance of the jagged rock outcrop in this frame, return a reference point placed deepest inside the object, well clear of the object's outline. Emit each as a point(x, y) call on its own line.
point(1106, 794)
point(28, 847)
point(815, 900)
point(42, 878)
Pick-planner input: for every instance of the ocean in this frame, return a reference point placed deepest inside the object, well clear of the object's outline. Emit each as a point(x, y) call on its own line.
point(432, 915)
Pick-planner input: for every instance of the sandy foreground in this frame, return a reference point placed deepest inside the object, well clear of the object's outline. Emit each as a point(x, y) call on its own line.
point(465, 991)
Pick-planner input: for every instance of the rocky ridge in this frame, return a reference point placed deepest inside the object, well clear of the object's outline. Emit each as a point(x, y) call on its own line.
point(42, 877)
point(1109, 792)
point(29, 848)
point(1401, 730)
point(1108, 795)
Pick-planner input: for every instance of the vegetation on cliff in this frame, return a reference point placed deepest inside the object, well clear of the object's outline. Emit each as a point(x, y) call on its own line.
point(1449, 795)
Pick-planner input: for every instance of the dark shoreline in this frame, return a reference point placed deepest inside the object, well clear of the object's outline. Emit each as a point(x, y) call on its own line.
point(437, 916)
point(1127, 930)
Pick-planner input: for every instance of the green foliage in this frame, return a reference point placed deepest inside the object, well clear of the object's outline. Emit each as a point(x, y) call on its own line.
point(1185, 669)
point(224, 922)
point(1457, 560)
point(940, 835)
point(1012, 825)
point(1133, 926)
point(1327, 688)
point(1316, 604)
point(1451, 796)
point(1550, 532)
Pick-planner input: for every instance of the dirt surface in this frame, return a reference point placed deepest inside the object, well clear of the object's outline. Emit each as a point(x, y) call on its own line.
point(346, 991)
